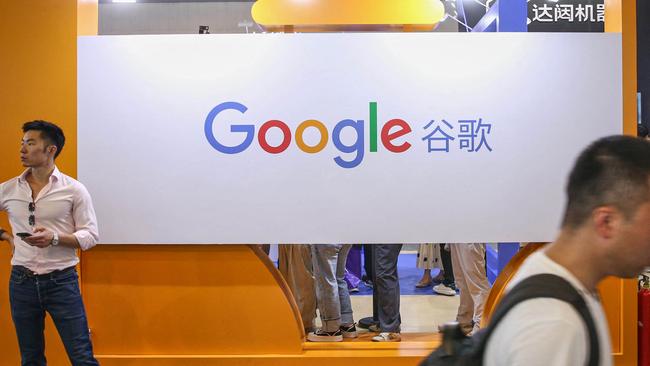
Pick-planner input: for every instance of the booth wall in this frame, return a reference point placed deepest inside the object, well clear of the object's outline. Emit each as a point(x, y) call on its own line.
point(38, 76)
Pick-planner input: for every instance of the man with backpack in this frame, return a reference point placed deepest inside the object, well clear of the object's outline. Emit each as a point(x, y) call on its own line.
point(551, 314)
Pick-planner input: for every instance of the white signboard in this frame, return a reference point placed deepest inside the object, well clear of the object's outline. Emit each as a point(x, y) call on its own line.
point(339, 138)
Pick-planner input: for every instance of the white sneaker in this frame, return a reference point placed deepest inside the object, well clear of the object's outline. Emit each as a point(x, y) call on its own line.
point(387, 337)
point(444, 290)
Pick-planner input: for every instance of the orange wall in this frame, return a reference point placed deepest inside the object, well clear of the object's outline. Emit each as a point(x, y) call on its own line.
point(187, 300)
point(619, 296)
point(37, 81)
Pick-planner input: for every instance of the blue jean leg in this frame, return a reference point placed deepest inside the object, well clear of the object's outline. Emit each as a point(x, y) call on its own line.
point(57, 294)
point(344, 294)
point(324, 261)
point(331, 290)
point(29, 319)
point(64, 304)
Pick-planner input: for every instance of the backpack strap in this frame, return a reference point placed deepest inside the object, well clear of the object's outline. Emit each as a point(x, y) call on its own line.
point(547, 286)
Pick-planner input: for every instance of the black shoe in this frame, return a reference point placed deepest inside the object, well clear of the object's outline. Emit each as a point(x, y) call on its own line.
point(322, 336)
point(366, 322)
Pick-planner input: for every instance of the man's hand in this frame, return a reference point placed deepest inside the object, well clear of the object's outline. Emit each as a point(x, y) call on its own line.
point(42, 237)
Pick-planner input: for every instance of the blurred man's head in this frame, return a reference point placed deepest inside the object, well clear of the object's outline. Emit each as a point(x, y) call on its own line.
point(609, 198)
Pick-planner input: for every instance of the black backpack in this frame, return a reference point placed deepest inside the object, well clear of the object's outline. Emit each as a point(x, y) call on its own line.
point(460, 350)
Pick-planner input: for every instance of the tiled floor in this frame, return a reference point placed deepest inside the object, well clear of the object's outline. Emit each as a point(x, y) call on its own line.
point(420, 313)
point(421, 310)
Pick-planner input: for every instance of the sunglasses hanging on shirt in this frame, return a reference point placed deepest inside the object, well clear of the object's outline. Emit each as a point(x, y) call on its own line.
point(32, 218)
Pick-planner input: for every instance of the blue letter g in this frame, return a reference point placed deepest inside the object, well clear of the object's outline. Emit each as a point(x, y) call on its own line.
point(249, 129)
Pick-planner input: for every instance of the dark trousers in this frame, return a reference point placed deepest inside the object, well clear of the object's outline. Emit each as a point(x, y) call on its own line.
point(386, 287)
point(448, 269)
point(368, 261)
point(57, 293)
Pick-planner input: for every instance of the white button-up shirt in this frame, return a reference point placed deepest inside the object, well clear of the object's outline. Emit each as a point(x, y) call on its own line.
point(63, 206)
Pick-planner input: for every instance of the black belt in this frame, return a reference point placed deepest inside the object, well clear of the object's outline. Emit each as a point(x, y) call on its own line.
point(29, 273)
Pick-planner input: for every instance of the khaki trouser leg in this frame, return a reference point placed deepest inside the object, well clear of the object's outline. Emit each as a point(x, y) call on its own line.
point(468, 261)
point(294, 262)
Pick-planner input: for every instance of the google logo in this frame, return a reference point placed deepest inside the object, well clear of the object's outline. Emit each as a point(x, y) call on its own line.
point(391, 130)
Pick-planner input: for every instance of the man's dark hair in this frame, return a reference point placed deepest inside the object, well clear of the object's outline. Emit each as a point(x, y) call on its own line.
point(613, 171)
point(641, 130)
point(50, 132)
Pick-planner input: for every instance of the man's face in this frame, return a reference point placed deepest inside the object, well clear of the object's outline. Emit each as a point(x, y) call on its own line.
point(633, 245)
point(34, 151)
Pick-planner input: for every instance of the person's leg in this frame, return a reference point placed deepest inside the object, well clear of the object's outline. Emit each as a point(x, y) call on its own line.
point(344, 295)
point(368, 280)
point(447, 266)
point(446, 286)
point(294, 263)
point(368, 263)
point(466, 307)
point(65, 306)
point(29, 318)
point(473, 262)
point(426, 279)
point(324, 259)
point(425, 262)
point(348, 328)
point(387, 284)
point(307, 286)
point(353, 264)
point(282, 258)
point(375, 294)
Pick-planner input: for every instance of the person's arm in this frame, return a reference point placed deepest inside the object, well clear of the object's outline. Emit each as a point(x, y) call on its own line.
point(5, 236)
point(86, 233)
point(43, 238)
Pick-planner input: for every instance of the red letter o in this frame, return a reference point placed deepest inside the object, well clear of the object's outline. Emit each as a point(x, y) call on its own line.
point(286, 140)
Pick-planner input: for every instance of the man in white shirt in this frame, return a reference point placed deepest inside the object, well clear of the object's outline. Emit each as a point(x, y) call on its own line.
point(51, 216)
point(605, 232)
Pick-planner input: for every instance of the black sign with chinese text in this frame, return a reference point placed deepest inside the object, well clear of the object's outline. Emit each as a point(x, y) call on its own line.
point(566, 16)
